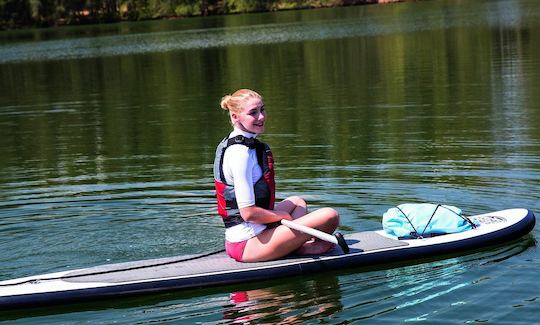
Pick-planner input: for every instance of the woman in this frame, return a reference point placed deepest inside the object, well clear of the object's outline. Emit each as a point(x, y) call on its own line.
point(244, 178)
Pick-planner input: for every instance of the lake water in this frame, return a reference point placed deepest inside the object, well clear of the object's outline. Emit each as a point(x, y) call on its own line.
point(107, 137)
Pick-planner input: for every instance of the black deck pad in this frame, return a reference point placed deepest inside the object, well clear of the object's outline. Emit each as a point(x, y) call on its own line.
point(195, 265)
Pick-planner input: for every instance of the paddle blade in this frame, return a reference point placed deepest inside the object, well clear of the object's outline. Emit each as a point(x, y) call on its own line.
point(342, 243)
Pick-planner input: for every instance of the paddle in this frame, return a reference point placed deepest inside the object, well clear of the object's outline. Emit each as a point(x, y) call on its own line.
point(337, 238)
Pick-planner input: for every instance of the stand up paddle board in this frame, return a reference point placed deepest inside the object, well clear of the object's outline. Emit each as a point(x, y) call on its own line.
point(213, 269)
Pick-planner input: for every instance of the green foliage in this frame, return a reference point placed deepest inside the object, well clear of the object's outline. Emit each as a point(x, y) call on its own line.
point(236, 6)
point(20, 13)
point(187, 10)
point(14, 12)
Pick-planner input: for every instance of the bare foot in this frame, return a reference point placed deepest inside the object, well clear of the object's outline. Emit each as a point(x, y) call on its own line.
point(315, 247)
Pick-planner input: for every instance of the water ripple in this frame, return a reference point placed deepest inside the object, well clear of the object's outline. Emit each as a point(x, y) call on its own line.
point(78, 48)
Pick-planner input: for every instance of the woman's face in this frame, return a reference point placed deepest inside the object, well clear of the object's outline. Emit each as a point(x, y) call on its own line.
point(252, 117)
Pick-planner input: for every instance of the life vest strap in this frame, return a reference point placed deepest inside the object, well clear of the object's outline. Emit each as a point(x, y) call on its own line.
point(232, 221)
point(251, 143)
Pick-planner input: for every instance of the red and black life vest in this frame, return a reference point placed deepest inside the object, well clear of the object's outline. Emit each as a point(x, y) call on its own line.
point(264, 188)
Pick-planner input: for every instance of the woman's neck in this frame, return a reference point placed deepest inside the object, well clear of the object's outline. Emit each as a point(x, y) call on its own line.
point(238, 131)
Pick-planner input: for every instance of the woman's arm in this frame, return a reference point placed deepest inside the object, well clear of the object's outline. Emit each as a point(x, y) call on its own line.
point(242, 166)
point(257, 214)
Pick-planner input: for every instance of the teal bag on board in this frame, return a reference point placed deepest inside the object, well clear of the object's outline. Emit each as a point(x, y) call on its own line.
point(417, 220)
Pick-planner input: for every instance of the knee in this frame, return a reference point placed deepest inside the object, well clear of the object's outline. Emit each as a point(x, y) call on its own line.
point(297, 201)
point(332, 216)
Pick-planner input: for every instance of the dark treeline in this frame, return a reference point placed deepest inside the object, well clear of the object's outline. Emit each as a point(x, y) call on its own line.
point(41, 13)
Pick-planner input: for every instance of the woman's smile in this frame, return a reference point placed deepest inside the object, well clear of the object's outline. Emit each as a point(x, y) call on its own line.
point(253, 117)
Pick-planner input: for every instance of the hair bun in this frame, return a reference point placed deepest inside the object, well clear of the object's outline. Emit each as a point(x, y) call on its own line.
point(236, 101)
point(225, 101)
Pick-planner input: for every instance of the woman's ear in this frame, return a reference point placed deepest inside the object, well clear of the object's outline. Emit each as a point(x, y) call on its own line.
point(234, 117)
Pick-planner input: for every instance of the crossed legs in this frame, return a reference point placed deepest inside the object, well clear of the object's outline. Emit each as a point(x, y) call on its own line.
point(277, 242)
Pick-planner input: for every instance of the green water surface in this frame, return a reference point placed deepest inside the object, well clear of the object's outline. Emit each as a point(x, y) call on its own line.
point(108, 133)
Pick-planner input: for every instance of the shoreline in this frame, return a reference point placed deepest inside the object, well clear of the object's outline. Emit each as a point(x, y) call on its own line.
point(25, 18)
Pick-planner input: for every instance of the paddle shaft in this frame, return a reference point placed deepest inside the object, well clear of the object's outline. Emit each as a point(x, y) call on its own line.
point(335, 239)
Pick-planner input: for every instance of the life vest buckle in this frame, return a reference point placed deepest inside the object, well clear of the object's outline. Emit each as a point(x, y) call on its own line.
point(239, 139)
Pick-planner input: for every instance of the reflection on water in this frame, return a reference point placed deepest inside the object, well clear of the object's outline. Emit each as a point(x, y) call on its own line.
point(447, 289)
point(313, 28)
point(313, 299)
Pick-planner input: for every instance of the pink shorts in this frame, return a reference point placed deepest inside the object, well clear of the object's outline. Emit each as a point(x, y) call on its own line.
point(235, 250)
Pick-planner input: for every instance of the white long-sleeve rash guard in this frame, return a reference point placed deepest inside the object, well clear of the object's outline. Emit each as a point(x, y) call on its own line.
point(241, 169)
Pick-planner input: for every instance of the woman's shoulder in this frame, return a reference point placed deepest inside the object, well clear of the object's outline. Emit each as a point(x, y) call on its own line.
point(237, 150)
point(239, 147)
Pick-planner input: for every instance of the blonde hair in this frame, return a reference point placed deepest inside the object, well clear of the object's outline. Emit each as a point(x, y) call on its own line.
point(235, 102)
